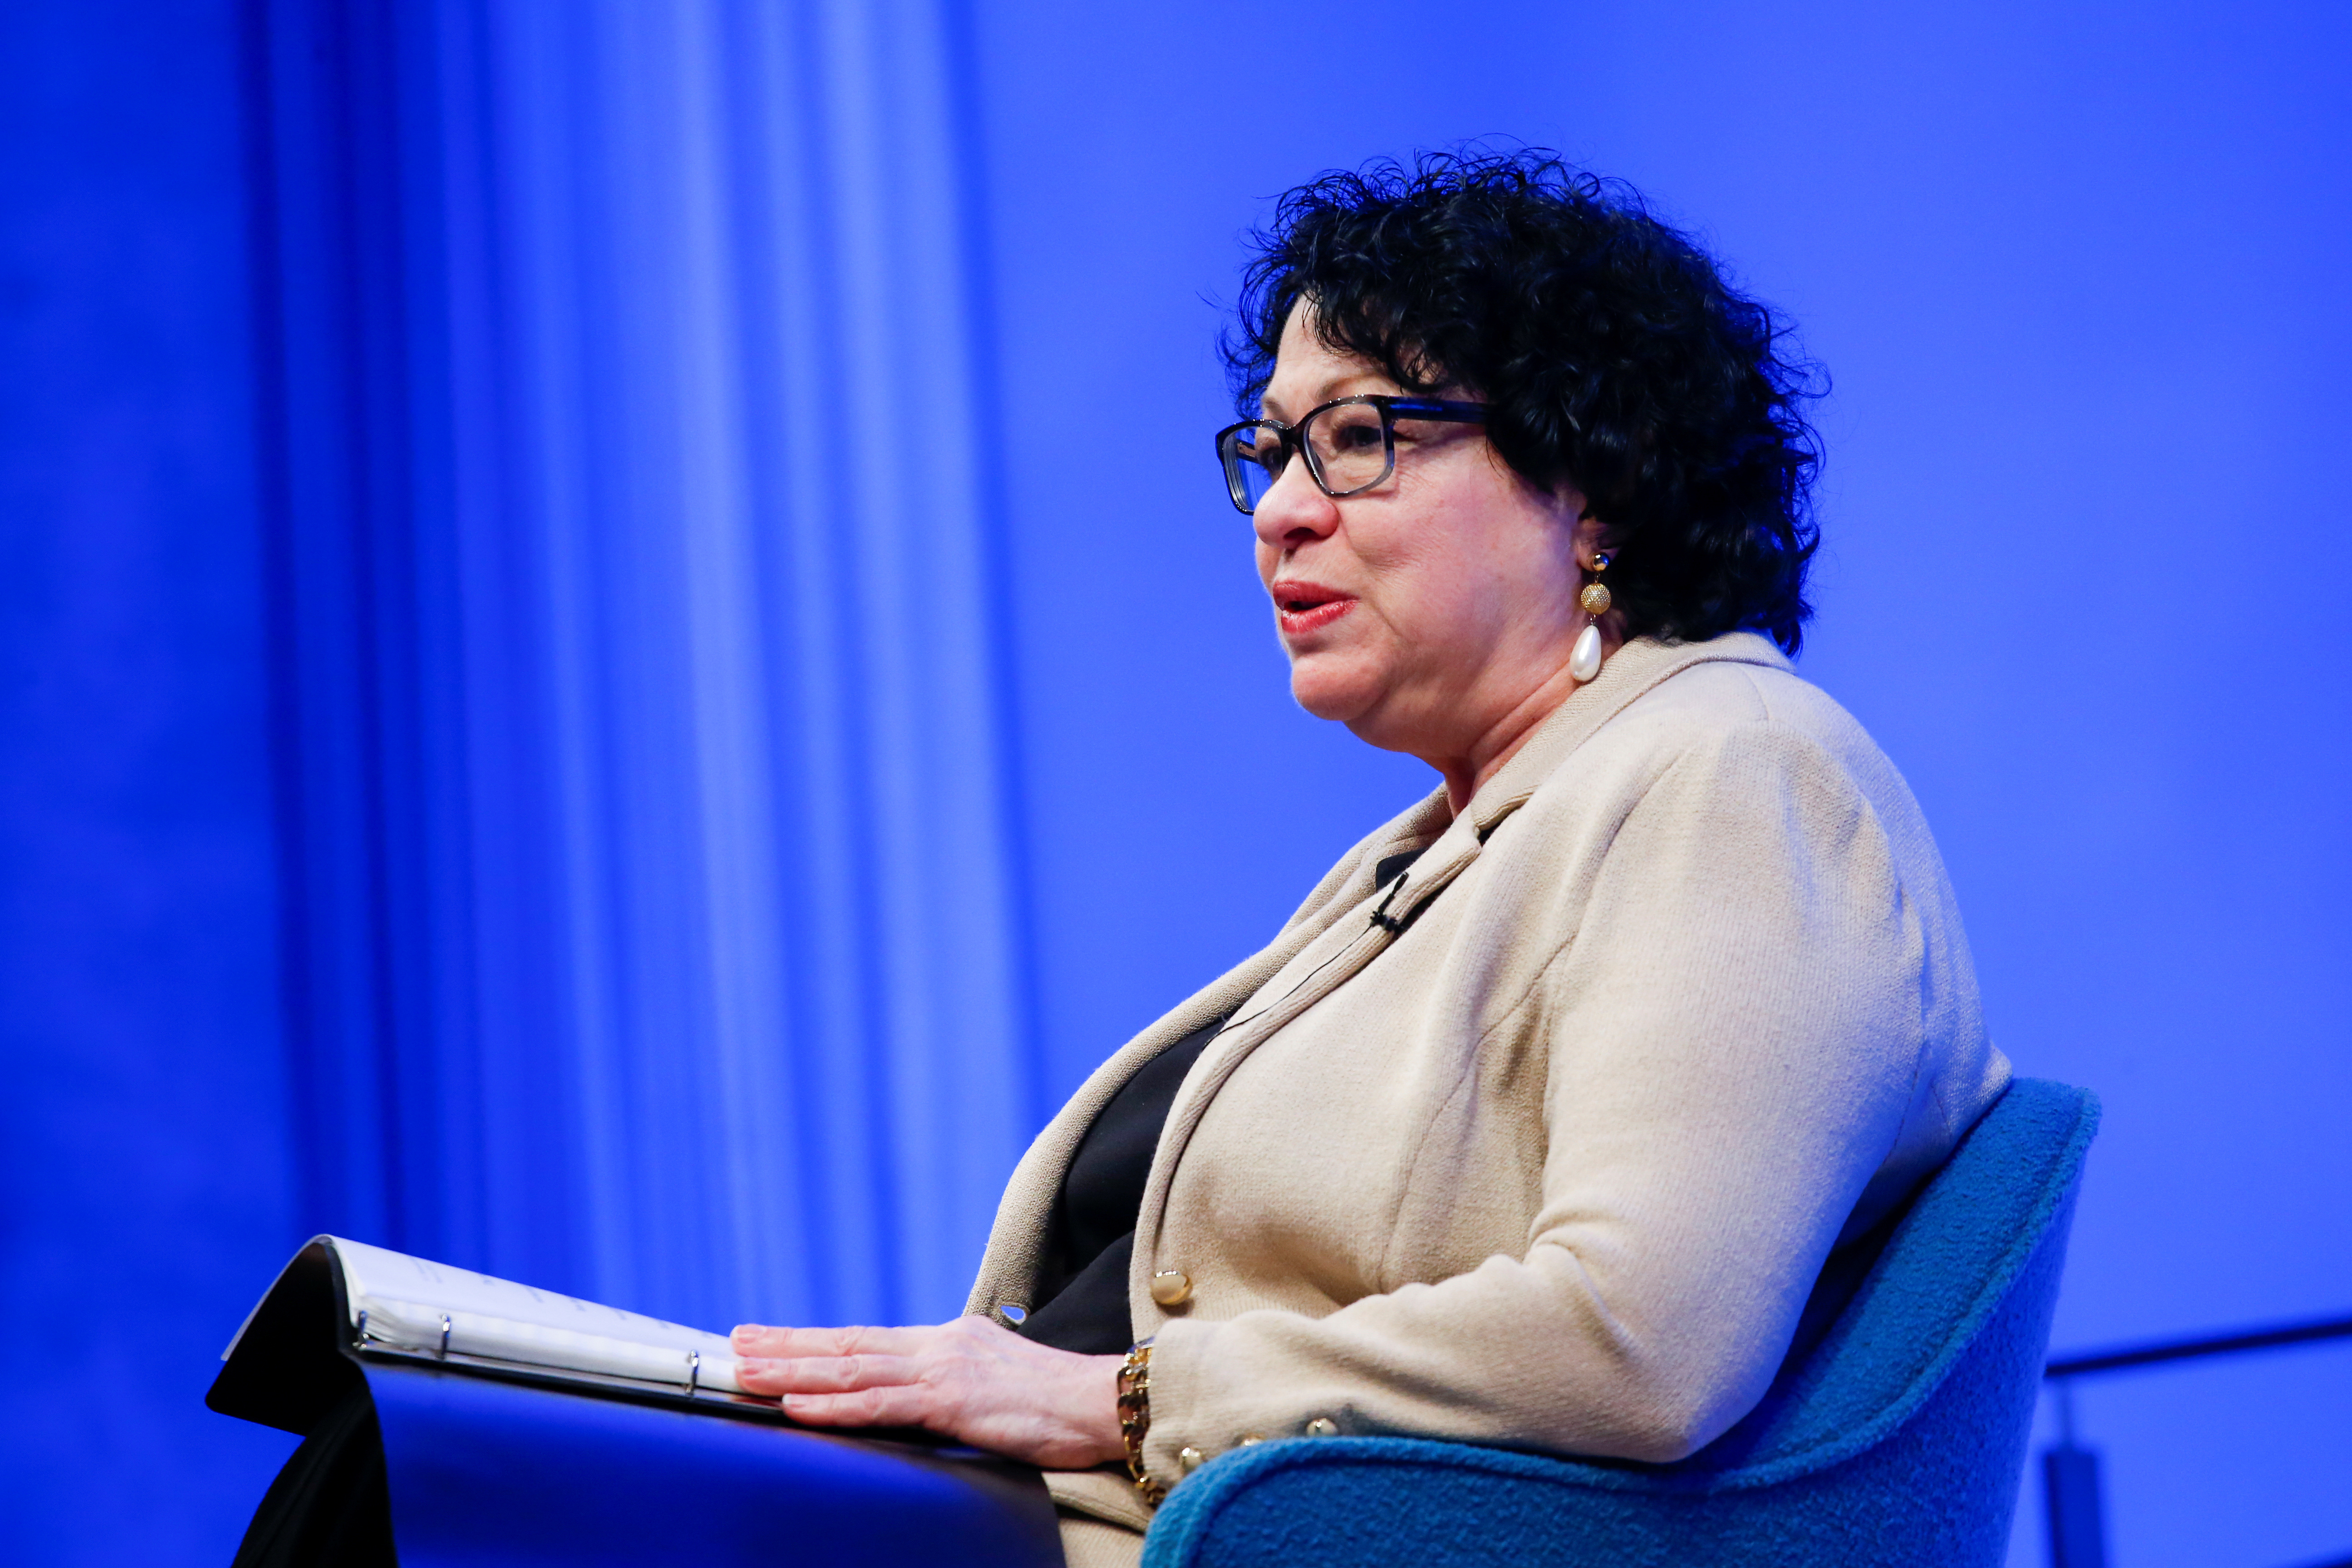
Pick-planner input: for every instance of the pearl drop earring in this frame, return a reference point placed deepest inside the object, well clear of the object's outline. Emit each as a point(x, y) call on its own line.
point(1584, 659)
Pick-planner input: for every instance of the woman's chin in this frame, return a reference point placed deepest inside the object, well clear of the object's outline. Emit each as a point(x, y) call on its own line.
point(1331, 694)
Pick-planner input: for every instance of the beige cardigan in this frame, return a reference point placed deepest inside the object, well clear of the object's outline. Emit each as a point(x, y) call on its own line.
point(1545, 1144)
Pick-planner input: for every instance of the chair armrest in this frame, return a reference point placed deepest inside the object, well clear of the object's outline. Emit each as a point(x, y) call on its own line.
point(1406, 1500)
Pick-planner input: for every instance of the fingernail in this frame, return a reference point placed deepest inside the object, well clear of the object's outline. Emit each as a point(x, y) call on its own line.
point(747, 1330)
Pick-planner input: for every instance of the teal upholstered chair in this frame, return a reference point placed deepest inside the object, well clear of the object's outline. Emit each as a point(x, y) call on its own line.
point(1897, 1440)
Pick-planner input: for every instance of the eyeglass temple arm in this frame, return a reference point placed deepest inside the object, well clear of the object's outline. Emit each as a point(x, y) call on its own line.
point(1439, 410)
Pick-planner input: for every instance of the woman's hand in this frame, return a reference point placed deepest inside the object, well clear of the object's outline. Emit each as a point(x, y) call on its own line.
point(969, 1379)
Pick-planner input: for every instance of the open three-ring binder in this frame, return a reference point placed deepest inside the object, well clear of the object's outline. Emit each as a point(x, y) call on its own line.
point(450, 1417)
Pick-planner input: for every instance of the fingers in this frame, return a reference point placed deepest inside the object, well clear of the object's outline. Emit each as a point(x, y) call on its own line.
point(904, 1405)
point(796, 1363)
point(826, 1374)
point(969, 1379)
point(758, 1340)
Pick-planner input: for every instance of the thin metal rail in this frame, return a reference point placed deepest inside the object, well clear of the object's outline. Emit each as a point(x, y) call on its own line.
point(2086, 1362)
point(2074, 1507)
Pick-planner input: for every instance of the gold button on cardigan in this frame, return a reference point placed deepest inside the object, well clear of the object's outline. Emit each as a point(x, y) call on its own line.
point(1546, 1145)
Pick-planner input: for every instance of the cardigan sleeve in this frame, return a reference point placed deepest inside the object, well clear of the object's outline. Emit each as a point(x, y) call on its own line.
point(1733, 1037)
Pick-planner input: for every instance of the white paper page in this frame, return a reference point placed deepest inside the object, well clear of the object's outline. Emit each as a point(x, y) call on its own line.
point(407, 1299)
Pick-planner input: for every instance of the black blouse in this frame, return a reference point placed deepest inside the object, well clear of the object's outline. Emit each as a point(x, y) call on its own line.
point(1082, 1305)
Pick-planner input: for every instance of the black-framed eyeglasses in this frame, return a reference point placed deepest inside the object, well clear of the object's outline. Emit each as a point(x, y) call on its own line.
point(1349, 444)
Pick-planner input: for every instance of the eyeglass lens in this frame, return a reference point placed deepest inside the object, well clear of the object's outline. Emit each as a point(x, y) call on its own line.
point(1254, 457)
point(1347, 445)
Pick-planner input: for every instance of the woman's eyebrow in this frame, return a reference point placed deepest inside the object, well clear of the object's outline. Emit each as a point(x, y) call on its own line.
point(1271, 408)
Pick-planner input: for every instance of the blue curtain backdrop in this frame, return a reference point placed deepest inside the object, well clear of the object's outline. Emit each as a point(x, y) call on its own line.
point(142, 1076)
point(652, 912)
point(549, 716)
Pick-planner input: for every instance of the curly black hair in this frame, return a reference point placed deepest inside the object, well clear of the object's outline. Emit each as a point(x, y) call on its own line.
point(1614, 355)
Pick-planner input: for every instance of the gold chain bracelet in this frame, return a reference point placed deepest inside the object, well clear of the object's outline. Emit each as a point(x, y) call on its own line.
point(1135, 1417)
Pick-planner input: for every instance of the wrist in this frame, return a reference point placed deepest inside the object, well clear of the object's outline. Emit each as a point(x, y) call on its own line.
point(1102, 1431)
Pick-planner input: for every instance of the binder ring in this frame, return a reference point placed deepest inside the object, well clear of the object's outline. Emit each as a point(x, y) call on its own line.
point(445, 1336)
point(693, 1372)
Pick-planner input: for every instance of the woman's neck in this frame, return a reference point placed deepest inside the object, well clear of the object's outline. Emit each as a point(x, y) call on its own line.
point(1467, 769)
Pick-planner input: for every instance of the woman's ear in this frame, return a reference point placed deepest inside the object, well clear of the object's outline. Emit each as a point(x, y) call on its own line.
point(1592, 533)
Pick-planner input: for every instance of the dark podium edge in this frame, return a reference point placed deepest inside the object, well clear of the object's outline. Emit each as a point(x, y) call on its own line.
point(294, 1362)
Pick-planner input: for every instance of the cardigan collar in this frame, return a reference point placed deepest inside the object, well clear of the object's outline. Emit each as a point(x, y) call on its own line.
point(1633, 670)
point(1448, 844)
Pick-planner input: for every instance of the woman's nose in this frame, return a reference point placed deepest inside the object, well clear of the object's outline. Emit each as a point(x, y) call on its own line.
point(1294, 510)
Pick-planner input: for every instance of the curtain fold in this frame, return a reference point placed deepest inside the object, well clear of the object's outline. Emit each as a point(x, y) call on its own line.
point(646, 751)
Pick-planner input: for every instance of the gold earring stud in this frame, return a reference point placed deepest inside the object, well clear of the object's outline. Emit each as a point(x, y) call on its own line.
point(1595, 597)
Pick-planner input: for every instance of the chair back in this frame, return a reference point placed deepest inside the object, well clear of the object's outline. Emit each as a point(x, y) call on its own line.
point(1988, 1232)
point(1896, 1439)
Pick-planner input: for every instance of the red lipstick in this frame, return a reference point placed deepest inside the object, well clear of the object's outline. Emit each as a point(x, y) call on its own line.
point(1300, 607)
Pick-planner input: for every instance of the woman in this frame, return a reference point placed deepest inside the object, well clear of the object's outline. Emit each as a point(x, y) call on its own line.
point(1538, 1121)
